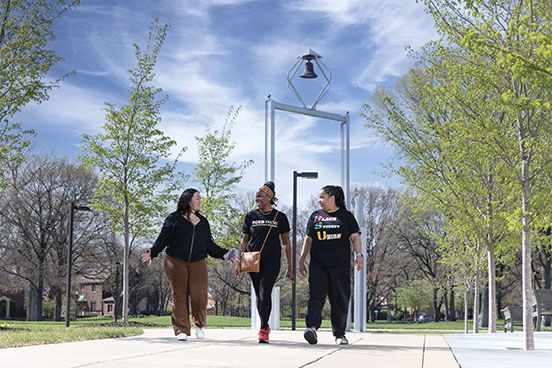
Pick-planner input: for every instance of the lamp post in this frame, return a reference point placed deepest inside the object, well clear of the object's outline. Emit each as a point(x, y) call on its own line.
point(69, 259)
point(305, 175)
point(116, 306)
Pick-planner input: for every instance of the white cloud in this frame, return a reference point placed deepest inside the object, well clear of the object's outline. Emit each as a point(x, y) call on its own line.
point(71, 107)
point(391, 25)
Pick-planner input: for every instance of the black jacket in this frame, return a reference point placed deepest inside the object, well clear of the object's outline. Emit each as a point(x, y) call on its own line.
point(186, 241)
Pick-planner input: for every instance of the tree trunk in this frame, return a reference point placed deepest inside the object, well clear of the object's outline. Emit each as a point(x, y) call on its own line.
point(58, 304)
point(484, 319)
point(492, 290)
point(476, 306)
point(547, 270)
point(466, 312)
point(436, 308)
point(39, 292)
point(31, 310)
point(452, 308)
point(126, 256)
point(526, 257)
point(446, 305)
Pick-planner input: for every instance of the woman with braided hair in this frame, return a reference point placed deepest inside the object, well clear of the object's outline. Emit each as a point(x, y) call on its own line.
point(330, 232)
point(266, 225)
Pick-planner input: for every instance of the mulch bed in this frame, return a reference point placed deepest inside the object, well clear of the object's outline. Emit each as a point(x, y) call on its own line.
point(10, 328)
point(123, 324)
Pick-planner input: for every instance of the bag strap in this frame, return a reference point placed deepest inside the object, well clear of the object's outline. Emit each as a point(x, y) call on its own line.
point(268, 233)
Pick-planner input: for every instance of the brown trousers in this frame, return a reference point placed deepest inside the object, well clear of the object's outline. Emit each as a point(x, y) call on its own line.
point(187, 279)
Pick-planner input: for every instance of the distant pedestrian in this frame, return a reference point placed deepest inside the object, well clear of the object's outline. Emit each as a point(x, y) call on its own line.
point(186, 235)
point(330, 232)
point(259, 223)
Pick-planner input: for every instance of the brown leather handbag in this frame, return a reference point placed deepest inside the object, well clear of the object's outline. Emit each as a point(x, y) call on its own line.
point(251, 261)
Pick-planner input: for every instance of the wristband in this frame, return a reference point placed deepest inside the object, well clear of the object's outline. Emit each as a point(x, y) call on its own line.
point(359, 255)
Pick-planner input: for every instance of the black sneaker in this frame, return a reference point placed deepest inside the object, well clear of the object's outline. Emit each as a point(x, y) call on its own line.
point(341, 340)
point(310, 336)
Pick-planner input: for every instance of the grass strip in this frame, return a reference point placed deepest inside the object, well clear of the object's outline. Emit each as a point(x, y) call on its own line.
point(40, 334)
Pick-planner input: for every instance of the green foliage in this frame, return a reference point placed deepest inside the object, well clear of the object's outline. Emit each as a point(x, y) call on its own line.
point(136, 181)
point(217, 178)
point(417, 295)
point(25, 32)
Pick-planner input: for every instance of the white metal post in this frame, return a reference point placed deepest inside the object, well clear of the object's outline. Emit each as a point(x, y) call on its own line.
point(255, 320)
point(274, 320)
point(270, 130)
point(346, 186)
point(360, 276)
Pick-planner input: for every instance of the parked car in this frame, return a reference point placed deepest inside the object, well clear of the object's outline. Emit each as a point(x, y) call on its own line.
point(424, 317)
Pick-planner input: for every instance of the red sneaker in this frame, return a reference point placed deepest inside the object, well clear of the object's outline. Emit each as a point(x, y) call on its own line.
point(263, 335)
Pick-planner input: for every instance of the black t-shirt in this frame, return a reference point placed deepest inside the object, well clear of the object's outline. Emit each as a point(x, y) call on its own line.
point(330, 233)
point(256, 225)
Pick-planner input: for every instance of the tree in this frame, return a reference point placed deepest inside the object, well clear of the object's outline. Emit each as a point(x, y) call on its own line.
point(217, 178)
point(448, 162)
point(383, 256)
point(509, 42)
point(34, 210)
point(135, 184)
point(416, 295)
point(25, 60)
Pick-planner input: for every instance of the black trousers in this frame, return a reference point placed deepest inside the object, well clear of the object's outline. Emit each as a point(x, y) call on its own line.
point(263, 283)
point(335, 283)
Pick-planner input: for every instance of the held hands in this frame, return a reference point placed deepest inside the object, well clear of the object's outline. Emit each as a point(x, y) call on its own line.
point(146, 257)
point(289, 273)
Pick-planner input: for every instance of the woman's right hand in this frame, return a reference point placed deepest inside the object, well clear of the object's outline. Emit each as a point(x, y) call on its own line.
point(237, 271)
point(302, 268)
point(146, 257)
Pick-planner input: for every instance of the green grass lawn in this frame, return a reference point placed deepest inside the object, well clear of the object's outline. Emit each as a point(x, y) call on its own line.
point(36, 333)
point(46, 332)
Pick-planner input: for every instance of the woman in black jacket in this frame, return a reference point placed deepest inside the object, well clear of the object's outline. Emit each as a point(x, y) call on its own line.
point(186, 235)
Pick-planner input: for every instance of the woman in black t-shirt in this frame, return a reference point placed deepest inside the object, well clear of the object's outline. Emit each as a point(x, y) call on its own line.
point(330, 232)
point(256, 225)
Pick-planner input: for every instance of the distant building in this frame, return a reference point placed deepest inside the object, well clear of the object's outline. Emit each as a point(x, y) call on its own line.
point(12, 304)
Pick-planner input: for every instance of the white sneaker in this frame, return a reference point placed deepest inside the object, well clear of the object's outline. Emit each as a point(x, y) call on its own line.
point(182, 337)
point(200, 334)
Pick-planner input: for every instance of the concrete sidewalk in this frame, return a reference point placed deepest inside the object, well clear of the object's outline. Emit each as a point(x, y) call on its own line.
point(239, 348)
point(501, 350)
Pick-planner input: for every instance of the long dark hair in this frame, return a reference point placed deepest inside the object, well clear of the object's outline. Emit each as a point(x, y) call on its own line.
point(184, 205)
point(337, 192)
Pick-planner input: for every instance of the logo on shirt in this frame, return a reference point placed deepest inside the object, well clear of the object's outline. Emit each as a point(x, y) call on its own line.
point(323, 235)
point(255, 223)
point(320, 218)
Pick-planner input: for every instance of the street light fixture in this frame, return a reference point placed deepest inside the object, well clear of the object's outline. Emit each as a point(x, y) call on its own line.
point(304, 175)
point(69, 259)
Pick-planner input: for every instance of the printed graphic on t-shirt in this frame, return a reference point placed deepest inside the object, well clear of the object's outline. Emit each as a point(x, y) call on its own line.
point(256, 223)
point(323, 224)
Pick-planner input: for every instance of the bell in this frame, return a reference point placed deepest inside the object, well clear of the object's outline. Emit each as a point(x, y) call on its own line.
point(309, 71)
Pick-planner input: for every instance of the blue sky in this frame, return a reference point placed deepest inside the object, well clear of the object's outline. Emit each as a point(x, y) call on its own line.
point(236, 52)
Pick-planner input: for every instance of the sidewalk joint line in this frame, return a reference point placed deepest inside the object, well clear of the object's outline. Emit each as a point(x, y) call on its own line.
point(423, 351)
point(328, 354)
